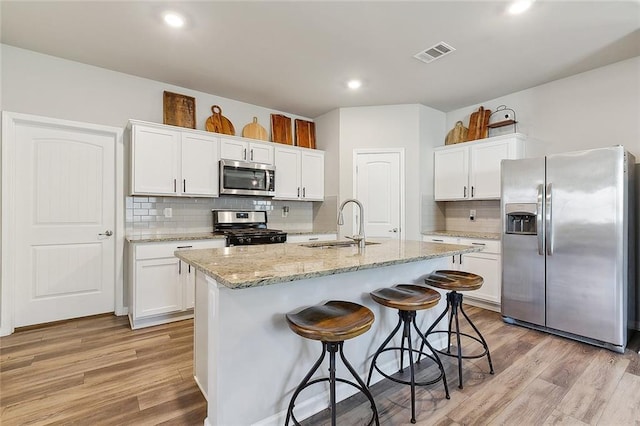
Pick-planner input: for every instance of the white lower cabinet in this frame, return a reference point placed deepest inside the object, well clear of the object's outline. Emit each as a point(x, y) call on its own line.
point(161, 287)
point(309, 238)
point(486, 263)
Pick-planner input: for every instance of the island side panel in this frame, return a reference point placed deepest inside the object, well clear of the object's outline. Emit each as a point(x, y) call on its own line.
point(255, 361)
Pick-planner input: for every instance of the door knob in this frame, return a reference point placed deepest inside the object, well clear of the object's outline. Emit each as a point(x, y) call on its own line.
point(393, 230)
point(108, 233)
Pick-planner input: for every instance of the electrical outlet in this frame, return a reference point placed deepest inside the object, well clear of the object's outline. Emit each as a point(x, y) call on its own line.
point(168, 212)
point(472, 215)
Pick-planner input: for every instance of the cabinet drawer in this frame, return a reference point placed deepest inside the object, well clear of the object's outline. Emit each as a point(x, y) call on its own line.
point(159, 250)
point(490, 246)
point(311, 237)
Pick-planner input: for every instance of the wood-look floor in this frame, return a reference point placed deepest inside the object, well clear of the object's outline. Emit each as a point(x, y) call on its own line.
point(97, 371)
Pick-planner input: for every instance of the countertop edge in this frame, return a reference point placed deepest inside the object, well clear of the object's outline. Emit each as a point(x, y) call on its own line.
point(302, 276)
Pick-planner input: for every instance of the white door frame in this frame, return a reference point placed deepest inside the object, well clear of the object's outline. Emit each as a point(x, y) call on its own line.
point(9, 273)
point(399, 151)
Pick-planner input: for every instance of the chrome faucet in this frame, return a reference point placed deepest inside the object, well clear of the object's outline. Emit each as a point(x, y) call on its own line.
point(360, 237)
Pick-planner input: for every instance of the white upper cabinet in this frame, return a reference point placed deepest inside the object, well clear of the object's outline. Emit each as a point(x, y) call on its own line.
point(240, 150)
point(155, 160)
point(199, 165)
point(168, 161)
point(299, 174)
point(471, 171)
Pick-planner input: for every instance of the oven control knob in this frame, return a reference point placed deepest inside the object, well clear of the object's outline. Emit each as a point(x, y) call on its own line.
point(273, 238)
point(248, 240)
point(240, 240)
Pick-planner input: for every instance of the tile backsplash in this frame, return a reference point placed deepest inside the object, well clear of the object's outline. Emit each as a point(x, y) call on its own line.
point(147, 214)
point(487, 216)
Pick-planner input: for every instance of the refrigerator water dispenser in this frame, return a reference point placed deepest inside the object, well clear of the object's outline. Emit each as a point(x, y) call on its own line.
point(520, 218)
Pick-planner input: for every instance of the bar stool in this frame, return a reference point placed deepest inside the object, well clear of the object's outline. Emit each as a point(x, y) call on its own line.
point(407, 299)
point(331, 324)
point(457, 281)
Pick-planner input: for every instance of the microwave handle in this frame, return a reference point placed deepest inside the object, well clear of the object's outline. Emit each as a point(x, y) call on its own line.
point(268, 181)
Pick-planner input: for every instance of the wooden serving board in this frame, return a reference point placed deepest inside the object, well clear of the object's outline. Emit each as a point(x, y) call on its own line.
point(254, 130)
point(457, 134)
point(305, 134)
point(484, 123)
point(219, 123)
point(281, 129)
point(179, 110)
point(475, 121)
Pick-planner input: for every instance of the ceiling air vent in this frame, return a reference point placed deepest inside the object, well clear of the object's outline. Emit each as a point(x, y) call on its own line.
point(434, 52)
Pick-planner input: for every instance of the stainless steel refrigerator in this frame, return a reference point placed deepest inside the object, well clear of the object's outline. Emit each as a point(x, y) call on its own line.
point(568, 244)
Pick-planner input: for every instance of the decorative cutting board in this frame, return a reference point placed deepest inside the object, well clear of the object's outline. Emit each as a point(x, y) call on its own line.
point(254, 130)
point(219, 123)
point(281, 129)
point(305, 134)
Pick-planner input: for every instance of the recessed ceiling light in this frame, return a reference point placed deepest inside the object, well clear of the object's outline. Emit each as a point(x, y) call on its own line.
point(354, 84)
point(519, 6)
point(173, 20)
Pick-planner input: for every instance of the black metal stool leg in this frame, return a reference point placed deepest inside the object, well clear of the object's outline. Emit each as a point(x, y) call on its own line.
point(304, 383)
point(332, 348)
point(407, 327)
point(484, 342)
point(430, 329)
point(365, 389)
point(454, 313)
point(435, 356)
point(379, 351)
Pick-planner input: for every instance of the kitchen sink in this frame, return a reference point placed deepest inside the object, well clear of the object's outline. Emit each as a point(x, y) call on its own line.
point(334, 244)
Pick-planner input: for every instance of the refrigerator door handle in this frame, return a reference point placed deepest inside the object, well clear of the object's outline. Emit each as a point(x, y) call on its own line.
point(549, 218)
point(539, 219)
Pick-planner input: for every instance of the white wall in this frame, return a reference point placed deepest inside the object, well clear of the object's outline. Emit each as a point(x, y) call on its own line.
point(432, 133)
point(38, 84)
point(597, 108)
point(393, 126)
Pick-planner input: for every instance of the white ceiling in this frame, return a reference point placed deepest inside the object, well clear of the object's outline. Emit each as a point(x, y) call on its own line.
point(296, 56)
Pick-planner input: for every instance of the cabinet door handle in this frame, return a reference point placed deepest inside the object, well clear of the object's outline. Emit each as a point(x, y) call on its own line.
point(453, 259)
point(478, 244)
point(189, 268)
point(465, 192)
point(175, 188)
point(179, 267)
point(298, 192)
point(184, 185)
point(314, 239)
point(437, 240)
point(184, 247)
point(472, 191)
point(244, 154)
point(251, 154)
point(461, 259)
point(304, 192)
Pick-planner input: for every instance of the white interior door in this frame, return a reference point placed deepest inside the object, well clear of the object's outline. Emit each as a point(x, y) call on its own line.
point(379, 188)
point(64, 220)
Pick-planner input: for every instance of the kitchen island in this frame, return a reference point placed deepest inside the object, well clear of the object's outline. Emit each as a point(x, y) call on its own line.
point(247, 361)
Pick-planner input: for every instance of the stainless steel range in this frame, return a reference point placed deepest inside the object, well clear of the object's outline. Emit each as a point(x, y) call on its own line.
point(243, 228)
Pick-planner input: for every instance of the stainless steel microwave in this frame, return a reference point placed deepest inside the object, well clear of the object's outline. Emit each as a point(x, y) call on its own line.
point(243, 178)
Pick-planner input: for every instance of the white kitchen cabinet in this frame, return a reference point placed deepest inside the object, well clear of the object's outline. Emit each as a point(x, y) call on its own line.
point(161, 287)
point(168, 161)
point(299, 174)
point(471, 170)
point(309, 238)
point(487, 264)
point(241, 150)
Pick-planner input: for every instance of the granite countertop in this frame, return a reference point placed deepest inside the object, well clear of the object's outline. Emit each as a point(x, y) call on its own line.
point(466, 234)
point(254, 266)
point(142, 237)
point(157, 238)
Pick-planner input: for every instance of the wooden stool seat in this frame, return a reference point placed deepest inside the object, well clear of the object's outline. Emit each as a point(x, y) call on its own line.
point(335, 321)
point(406, 297)
point(454, 280)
